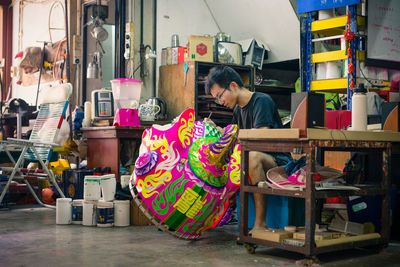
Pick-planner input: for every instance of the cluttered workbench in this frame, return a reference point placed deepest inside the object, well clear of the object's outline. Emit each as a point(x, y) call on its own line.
point(104, 145)
point(292, 140)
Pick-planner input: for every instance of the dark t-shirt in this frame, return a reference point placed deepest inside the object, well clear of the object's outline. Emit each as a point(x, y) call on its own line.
point(261, 111)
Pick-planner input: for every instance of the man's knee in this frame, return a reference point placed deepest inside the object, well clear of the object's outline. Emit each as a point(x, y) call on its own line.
point(261, 160)
point(255, 160)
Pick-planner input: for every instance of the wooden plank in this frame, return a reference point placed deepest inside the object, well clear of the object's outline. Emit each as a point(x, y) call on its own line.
point(255, 134)
point(330, 242)
point(326, 134)
point(336, 159)
point(172, 88)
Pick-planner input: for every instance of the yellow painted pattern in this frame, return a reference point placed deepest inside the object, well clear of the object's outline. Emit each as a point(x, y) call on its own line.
point(186, 201)
point(196, 207)
point(159, 141)
point(186, 131)
point(234, 174)
point(151, 182)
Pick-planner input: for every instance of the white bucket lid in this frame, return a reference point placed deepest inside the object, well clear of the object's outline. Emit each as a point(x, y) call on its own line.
point(92, 178)
point(105, 204)
point(90, 202)
point(108, 176)
point(67, 199)
point(123, 202)
point(77, 202)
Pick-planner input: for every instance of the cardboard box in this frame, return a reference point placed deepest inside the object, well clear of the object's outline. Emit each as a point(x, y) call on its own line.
point(200, 48)
point(254, 52)
point(275, 235)
point(178, 54)
point(317, 235)
point(181, 54)
point(169, 55)
point(174, 55)
point(164, 56)
point(137, 217)
point(346, 227)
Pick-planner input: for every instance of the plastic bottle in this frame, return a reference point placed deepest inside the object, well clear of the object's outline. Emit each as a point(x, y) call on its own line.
point(359, 109)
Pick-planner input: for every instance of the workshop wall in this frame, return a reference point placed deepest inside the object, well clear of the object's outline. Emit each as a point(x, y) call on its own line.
point(31, 28)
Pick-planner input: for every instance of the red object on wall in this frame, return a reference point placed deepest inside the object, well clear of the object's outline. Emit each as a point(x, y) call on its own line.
point(338, 119)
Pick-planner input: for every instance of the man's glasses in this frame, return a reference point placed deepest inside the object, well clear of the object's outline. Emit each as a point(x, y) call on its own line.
point(218, 99)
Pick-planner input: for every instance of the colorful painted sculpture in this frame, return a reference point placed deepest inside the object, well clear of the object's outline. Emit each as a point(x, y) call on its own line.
point(185, 174)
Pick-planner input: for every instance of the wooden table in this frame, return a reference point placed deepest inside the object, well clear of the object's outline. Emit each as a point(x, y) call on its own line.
point(104, 145)
point(289, 140)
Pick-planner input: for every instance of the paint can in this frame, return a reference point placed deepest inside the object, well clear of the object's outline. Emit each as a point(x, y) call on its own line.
point(91, 188)
point(108, 185)
point(63, 211)
point(105, 214)
point(77, 211)
point(121, 212)
point(89, 213)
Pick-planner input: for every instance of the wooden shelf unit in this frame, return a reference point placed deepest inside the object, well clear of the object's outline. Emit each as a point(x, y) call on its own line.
point(180, 94)
point(327, 140)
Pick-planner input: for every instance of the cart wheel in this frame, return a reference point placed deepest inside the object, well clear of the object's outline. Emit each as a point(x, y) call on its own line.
point(251, 249)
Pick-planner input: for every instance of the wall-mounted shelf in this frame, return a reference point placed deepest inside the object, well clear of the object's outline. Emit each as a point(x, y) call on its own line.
point(334, 26)
point(334, 55)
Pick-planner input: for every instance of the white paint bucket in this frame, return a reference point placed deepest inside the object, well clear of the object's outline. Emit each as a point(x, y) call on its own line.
point(121, 213)
point(108, 184)
point(333, 70)
point(326, 13)
point(105, 214)
point(77, 211)
point(321, 71)
point(91, 188)
point(63, 211)
point(89, 213)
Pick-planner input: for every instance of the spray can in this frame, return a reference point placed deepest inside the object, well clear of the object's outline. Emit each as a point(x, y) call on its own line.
point(359, 109)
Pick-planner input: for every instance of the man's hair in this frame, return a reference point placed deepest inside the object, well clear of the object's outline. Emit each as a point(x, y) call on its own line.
point(223, 76)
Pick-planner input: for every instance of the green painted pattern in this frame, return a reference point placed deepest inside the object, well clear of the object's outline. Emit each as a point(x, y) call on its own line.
point(197, 166)
point(166, 198)
point(211, 131)
point(198, 220)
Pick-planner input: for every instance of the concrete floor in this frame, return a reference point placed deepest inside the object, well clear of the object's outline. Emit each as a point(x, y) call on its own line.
point(30, 237)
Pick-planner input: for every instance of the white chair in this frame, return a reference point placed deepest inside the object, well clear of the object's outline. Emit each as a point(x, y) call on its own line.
point(40, 145)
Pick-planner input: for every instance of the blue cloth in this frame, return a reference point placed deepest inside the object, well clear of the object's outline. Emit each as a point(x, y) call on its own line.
point(295, 165)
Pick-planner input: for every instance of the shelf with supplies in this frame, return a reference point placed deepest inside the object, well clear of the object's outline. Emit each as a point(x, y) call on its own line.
point(324, 140)
point(334, 26)
point(340, 85)
point(182, 90)
point(348, 28)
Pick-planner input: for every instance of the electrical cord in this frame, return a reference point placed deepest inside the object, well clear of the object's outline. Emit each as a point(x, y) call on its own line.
point(373, 85)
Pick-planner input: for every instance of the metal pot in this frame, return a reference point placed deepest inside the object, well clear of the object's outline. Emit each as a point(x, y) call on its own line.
point(162, 115)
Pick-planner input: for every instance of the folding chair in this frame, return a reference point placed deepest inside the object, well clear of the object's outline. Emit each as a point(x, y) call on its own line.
point(39, 148)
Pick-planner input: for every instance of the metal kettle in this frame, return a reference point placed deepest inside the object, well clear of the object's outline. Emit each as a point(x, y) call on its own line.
point(162, 115)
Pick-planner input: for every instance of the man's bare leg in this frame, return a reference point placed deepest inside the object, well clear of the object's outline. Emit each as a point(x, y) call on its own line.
point(259, 164)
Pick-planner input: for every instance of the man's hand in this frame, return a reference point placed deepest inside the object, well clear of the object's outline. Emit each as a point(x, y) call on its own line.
point(209, 121)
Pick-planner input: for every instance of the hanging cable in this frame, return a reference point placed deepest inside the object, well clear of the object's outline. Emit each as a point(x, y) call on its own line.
point(212, 15)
